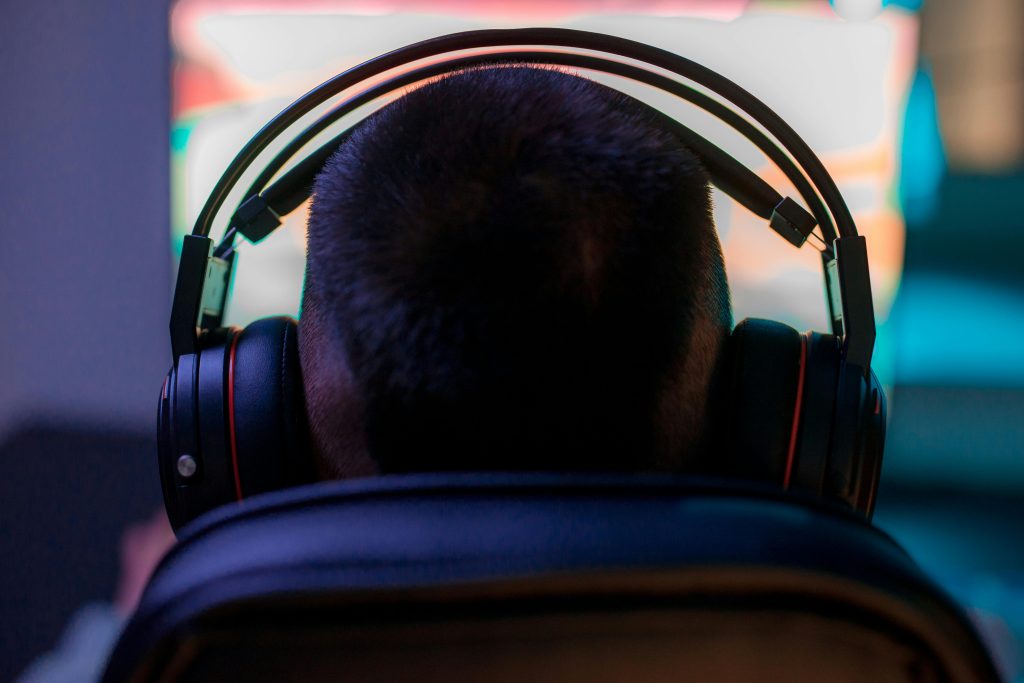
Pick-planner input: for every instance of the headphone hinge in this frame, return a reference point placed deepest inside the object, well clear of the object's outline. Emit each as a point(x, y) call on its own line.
point(255, 219)
point(188, 294)
point(792, 221)
point(215, 290)
point(858, 314)
point(833, 299)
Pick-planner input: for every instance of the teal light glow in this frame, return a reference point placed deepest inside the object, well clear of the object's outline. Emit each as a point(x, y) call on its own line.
point(909, 5)
point(181, 132)
point(922, 158)
point(957, 331)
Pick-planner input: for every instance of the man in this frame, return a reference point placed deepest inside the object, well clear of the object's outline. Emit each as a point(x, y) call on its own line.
point(511, 268)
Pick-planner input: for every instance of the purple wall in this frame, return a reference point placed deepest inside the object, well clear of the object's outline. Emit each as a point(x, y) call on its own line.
point(84, 298)
point(84, 258)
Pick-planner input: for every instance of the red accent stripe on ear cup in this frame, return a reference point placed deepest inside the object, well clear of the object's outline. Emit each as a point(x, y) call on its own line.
point(231, 414)
point(796, 412)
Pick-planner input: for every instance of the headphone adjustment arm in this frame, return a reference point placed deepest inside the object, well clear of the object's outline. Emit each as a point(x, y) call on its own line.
point(199, 295)
point(188, 295)
point(858, 314)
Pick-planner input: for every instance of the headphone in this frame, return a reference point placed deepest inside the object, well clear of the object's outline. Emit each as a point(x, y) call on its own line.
point(802, 411)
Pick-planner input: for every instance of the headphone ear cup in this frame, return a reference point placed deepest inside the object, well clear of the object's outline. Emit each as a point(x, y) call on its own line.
point(858, 439)
point(763, 379)
point(267, 425)
point(799, 417)
point(194, 461)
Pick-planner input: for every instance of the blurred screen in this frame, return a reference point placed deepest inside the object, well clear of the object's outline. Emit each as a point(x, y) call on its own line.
point(841, 83)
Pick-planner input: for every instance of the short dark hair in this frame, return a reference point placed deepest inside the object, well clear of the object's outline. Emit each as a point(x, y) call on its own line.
point(513, 260)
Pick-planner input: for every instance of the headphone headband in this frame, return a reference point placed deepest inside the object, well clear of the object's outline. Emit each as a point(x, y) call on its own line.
point(202, 281)
point(265, 203)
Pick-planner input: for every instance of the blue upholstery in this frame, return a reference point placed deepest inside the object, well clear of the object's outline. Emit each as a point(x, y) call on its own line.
point(493, 545)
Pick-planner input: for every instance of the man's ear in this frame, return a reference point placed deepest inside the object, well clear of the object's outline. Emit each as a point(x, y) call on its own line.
point(333, 402)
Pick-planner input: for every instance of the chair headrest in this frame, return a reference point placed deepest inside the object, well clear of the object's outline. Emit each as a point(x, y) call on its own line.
point(485, 544)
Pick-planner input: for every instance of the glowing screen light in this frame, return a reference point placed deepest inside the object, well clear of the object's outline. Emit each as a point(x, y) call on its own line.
point(840, 83)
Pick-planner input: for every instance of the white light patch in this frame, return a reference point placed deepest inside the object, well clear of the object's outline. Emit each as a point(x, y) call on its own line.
point(857, 10)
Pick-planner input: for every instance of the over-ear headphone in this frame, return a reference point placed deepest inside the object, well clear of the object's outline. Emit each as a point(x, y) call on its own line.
point(804, 411)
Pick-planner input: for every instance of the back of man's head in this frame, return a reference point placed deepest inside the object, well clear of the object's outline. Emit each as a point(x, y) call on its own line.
point(510, 268)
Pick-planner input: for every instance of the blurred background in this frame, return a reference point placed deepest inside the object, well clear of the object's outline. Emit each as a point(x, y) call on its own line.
point(119, 117)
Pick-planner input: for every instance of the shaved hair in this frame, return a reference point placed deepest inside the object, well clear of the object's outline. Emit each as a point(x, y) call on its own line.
point(510, 268)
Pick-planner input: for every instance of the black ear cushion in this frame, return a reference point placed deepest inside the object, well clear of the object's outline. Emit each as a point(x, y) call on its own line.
point(267, 425)
point(764, 367)
point(855, 455)
point(872, 447)
point(817, 414)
